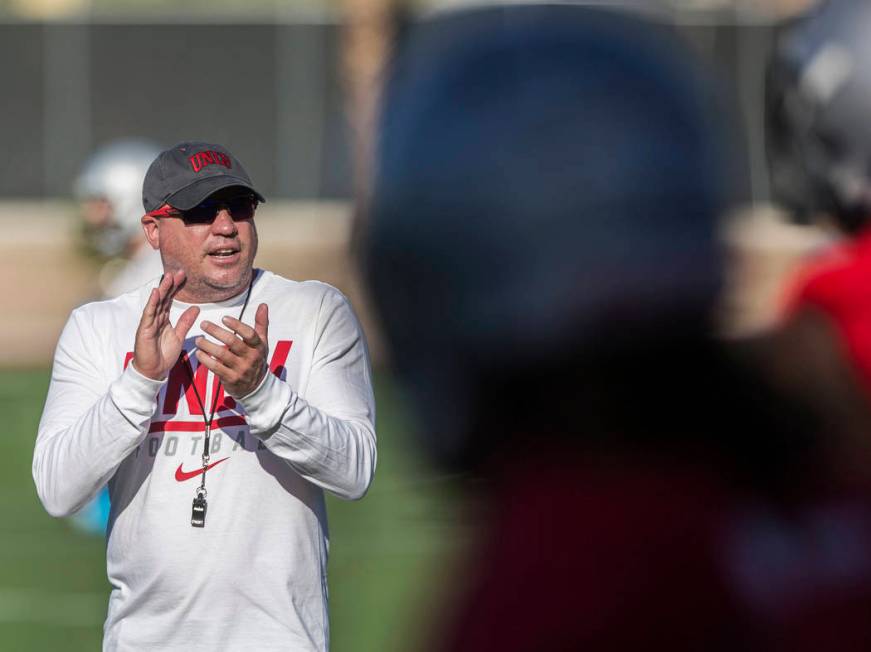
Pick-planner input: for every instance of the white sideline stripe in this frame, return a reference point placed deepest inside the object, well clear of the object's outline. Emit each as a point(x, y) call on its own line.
point(64, 609)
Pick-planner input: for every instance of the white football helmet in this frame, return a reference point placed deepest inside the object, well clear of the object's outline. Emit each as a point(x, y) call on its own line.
point(110, 191)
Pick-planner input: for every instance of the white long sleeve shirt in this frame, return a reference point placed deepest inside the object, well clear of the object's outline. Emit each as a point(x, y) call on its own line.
point(254, 578)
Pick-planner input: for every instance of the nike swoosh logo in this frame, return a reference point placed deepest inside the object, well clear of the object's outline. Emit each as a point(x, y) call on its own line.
point(181, 476)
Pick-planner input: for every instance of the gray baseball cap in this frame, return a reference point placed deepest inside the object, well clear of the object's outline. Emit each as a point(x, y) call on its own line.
point(185, 174)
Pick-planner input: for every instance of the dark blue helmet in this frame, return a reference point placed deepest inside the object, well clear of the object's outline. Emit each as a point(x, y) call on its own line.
point(549, 181)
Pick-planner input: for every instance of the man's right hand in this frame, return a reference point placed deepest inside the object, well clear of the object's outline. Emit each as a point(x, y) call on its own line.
point(159, 343)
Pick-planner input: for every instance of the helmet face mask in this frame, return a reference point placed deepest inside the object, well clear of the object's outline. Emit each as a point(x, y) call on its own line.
point(818, 93)
point(107, 240)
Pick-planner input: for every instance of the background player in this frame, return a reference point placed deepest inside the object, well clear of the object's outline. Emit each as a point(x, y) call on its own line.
point(819, 146)
point(542, 248)
point(109, 192)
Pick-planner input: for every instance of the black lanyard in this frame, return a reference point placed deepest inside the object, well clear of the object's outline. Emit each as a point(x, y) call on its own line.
point(198, 514)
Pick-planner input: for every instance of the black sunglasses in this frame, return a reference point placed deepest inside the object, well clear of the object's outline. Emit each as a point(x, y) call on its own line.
point(240, 207)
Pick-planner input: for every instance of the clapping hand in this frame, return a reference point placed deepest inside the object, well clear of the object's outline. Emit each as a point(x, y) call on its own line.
point(159, 343)
point(240, 362)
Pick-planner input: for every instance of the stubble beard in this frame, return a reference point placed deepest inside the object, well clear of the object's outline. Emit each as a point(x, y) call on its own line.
point(203, 289)
point(224, 291)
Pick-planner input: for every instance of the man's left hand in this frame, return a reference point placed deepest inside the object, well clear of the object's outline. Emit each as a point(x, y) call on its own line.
point(240, 362)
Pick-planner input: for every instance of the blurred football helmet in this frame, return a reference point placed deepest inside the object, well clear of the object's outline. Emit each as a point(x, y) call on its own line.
point(549, 180)
point(818, 98)
point(109, 190)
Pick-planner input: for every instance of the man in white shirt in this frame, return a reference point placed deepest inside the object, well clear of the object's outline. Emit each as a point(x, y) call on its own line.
point(224, 371)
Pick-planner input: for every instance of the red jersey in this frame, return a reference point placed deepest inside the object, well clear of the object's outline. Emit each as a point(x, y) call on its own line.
point(838, 283)
point(647, 554)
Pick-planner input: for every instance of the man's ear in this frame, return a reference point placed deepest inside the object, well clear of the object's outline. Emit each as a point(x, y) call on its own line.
point(151, 227)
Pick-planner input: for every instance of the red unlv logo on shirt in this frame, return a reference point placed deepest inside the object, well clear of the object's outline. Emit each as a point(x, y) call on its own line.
point(179, 384)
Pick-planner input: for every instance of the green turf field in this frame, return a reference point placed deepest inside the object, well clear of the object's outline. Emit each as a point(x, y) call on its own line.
point(387, 554)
